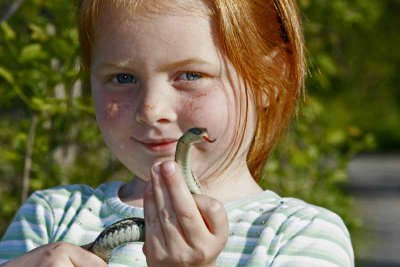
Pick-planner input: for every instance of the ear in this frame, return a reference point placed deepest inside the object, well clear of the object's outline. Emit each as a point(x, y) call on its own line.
point(277, 59)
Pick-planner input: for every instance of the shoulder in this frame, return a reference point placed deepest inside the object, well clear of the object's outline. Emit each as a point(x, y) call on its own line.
point(56, 201)
point(286, 212)
point(292, 231)
point(64, 193)
point(310, 217)
point(313, 234)
point(314, 221)
point(61, 191)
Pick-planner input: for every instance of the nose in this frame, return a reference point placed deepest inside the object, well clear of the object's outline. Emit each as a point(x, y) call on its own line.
point(155, 105)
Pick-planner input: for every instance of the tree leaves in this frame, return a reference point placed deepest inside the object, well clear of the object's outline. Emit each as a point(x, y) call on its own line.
point(9, 33)
point(7, 75)
point(39, 75)
point(32, 52)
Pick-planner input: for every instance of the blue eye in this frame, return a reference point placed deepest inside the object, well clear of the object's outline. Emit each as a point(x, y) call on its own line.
point(190, 76)
point(124, 78)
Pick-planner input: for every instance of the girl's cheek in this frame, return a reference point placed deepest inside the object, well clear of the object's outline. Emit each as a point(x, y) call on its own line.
point(192, 108)
point(203, 110)
point(117, 109)
point(113, 110)
point(112, 107)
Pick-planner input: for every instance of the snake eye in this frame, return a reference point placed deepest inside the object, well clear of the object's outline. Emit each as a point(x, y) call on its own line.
point(196, 131)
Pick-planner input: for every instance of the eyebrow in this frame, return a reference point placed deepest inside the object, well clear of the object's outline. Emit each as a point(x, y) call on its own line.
point(189, 61)
point(121, 65)
point(125, 64)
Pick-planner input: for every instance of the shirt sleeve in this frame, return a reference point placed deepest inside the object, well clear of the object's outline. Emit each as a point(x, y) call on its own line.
point(32, 227)
point(324, 242)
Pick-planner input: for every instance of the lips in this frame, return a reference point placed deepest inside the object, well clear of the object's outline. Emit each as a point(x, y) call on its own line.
point(159, 145)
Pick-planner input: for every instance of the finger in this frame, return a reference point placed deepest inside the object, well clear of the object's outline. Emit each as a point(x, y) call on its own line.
point(63, 252)
point(83, 258)
point(189, 217)
point(154, 235)
point(168, 220)
point(214, 215)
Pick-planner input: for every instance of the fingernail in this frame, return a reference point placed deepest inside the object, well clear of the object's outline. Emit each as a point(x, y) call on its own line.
point(169, 168)
point(149, 188)
point(156, 169)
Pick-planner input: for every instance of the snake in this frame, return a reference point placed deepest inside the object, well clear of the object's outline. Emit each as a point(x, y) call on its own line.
point(133, 229)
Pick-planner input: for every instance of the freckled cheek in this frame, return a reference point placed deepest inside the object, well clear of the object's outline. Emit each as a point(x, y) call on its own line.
point(112, 110)
point(112, 107)
point(208, 110)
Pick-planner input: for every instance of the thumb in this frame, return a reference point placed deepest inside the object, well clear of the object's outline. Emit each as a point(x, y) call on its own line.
point(83, 257)
point(214, 215)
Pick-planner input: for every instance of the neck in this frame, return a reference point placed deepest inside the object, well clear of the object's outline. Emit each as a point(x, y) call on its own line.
point(219, 187)
point(132, 192)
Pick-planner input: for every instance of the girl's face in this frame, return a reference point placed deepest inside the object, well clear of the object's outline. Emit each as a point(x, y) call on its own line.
point(153, 77)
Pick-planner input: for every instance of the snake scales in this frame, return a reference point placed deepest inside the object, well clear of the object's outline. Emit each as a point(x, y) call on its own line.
point(133, 229)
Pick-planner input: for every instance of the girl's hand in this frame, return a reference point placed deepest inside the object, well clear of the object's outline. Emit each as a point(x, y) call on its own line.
point(181, 229)
point(60, 254)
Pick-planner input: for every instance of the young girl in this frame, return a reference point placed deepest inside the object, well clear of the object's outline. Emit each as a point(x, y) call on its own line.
point(158, 68)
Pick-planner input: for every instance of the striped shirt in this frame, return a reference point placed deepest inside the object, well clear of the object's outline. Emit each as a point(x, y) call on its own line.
point(265, 229)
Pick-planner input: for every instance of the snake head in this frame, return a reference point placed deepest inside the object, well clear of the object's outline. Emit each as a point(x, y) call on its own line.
point(199, 134)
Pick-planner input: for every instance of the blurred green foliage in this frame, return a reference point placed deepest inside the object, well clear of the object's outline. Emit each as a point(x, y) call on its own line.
point(352, 103)
point(354, 63)
point(39, 77)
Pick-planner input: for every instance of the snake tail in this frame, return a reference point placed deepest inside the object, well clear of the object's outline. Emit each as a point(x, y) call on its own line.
point(119, 233)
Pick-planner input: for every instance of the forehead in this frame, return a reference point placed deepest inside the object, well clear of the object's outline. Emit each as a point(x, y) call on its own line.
point(122, 32)
point(111, 14)
point(125, 8)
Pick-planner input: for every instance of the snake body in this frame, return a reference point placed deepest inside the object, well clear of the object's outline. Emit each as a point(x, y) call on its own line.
point(133, 229)
point(119, 233)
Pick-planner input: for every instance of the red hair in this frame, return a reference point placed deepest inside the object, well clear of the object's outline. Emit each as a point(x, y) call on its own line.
point(264, 42)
